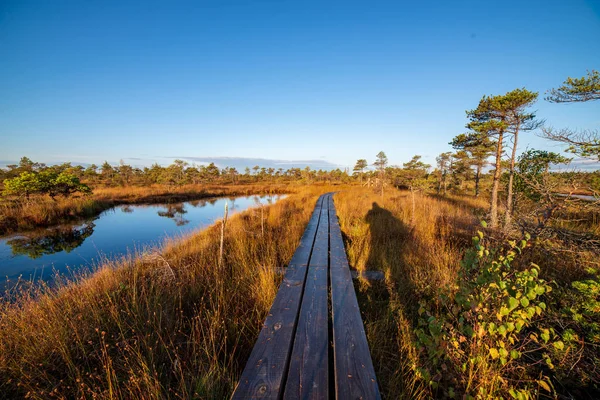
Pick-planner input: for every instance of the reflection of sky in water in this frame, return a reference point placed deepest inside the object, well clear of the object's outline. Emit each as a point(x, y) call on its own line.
point(115, 232)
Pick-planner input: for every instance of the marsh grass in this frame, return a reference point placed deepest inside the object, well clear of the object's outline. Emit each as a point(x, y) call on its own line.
point(422, 259)
point(169, 323)
point(416, 260)
point(166, 323)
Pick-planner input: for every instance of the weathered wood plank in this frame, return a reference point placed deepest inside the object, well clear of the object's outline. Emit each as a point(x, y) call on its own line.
point(320, 251)
point(302, 253)
point(308, 376)
point(291, 358)
point(264, 373)
point(353, 368)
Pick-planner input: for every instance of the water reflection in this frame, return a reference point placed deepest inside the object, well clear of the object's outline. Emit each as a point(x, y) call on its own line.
point(38, 244)
point(116, 232)
point(175, 212)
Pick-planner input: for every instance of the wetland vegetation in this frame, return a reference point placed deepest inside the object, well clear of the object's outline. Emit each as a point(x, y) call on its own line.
point(467, 309)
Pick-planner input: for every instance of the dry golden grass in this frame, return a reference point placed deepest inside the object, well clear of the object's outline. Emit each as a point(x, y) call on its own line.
point(170, 324)
point(416, 259)
point(164, 324)
point(41, 211)
point(421, 259)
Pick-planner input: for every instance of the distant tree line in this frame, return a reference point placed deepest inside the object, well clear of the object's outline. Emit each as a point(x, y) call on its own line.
point(493, 131)
point(28, 177)
point(490, 142)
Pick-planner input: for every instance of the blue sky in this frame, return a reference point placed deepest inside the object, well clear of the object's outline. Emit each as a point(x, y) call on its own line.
point(148, 81)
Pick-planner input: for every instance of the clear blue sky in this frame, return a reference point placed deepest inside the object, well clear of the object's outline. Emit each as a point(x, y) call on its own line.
point(89, 81)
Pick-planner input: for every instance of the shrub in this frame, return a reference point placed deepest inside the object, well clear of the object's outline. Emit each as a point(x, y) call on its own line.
point(586, 310)
point(26, 184)
point(44, 182)
point(485, 324)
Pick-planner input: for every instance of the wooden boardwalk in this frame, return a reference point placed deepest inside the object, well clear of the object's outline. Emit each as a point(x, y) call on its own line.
point(313, 344)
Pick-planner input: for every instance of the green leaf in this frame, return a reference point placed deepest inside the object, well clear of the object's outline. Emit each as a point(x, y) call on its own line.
point(502, 330)
point(519, 325)
point(538, 310)
point(524, 301)
point(484, 224)
point(545, 335)
point(558, 345)
point(494, 353)
point(514, 354)
point(512, 303)
point(539, 290)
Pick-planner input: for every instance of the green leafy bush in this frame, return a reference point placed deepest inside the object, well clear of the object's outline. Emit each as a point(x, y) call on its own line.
point(474, 335)
point(44, 182)
point(586, 310)
point(26, 184)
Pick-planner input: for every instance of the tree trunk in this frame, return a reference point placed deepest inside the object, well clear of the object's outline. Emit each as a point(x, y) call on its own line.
point(496, 184)
point(511, 173)
point(477, 175)
point(445, 184)
point(412, 217)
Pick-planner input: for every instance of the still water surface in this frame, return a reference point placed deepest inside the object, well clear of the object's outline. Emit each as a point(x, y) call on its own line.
point(115, 232)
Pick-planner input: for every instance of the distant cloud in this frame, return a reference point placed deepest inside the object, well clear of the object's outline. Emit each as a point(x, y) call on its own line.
point(583, 164)
point(4, 164)
point(240, 163)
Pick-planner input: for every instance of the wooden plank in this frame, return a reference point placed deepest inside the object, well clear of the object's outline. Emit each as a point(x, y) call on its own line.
point(264, 373)
point(320, 252)
point(353, 368)
point(337, 251)
point(308, 376)
point(302, 253)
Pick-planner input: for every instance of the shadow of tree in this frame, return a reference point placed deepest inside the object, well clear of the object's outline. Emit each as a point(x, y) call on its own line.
point(389, 307)
point(458, 202)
